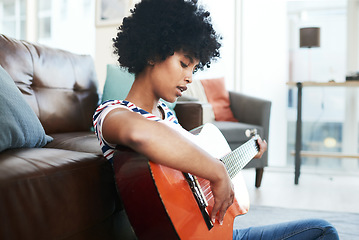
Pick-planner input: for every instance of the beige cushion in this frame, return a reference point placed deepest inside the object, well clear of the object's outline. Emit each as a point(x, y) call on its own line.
point(195, 90)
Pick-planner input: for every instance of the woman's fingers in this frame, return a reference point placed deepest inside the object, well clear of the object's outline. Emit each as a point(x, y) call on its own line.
point(262, 147)
point(214, 212)
point(220, 206)
point(223, 211)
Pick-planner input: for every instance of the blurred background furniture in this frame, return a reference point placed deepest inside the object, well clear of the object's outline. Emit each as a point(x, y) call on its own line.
point(350, 151)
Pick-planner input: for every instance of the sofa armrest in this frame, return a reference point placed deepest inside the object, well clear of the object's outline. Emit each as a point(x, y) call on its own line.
point(189, 114)
point(251, 110)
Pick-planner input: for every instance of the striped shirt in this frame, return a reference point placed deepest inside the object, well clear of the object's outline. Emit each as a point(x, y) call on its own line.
point(108, 149)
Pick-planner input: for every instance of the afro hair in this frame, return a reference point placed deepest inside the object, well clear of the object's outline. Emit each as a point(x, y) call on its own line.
point(158, 28)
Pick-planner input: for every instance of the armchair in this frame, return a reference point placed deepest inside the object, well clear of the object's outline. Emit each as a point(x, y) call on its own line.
point(250, 112)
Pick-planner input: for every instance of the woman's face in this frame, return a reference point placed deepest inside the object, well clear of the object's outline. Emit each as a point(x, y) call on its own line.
point(171, 76)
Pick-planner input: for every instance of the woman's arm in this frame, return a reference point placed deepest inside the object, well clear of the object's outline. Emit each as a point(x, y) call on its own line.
point(167, 147)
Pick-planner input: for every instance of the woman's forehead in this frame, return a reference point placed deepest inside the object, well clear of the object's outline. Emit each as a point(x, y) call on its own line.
point(189, 56)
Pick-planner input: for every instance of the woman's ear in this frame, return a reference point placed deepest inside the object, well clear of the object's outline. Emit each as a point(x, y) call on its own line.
point(151, 62)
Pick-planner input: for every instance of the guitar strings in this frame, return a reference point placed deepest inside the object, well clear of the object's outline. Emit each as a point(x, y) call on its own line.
point(233, 168)
point(246, 151)
point(206, 188)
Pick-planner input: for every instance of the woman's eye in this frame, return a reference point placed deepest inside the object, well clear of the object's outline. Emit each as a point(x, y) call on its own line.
point(183, 64)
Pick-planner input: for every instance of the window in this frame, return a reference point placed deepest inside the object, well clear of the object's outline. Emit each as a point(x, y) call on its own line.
point(323, 114)
point(44, 19)
point(13, 20)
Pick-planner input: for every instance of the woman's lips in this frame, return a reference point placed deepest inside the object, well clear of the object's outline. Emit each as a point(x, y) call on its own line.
point(181, 89)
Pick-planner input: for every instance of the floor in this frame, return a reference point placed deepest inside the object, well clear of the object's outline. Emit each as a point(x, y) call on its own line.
point(317, 189)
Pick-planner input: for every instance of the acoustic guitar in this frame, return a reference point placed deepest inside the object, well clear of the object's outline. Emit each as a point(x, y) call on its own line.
point(164, 203)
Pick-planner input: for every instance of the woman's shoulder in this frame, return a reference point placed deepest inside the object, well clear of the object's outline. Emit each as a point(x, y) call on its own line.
point(108, 103)
point(106, 107)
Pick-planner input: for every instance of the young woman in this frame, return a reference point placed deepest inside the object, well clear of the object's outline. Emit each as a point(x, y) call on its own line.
point(163, 43)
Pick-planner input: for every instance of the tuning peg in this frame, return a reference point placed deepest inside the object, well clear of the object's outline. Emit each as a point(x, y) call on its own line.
point(251, 132)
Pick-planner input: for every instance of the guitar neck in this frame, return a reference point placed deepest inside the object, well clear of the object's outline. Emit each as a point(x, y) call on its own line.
point(240, 157)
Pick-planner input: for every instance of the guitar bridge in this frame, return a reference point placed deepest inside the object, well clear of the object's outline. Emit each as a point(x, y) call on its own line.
point(200, 198)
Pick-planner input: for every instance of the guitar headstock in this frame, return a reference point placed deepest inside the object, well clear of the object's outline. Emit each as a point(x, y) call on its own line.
point(251, 133)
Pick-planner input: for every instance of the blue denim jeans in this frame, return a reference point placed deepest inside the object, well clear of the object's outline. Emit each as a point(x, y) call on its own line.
point(308, 229)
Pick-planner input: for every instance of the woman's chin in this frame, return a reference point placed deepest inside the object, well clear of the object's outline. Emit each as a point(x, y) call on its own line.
point(168, 100)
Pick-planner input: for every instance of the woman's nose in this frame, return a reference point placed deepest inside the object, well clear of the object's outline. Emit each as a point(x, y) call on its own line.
point(188, 79)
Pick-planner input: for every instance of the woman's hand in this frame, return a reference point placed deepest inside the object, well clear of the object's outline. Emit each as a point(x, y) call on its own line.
point(223, 193)
point(262, 147)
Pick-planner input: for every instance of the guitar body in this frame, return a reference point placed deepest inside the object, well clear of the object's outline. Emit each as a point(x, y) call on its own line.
point(161, 205)
point(183, 210)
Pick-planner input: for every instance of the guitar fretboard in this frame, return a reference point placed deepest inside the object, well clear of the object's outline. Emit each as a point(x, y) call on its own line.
point(237, 159)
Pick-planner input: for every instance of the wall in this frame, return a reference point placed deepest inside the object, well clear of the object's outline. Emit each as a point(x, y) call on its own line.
point(104, 44)
point(73, 26)
point(223, 19)
point(104, 51)
point(264, 66)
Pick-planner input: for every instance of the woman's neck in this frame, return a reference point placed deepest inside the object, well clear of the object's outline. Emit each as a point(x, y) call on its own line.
point(141, 95)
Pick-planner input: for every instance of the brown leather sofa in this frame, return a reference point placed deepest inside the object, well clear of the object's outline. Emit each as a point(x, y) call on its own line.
point(65, 190)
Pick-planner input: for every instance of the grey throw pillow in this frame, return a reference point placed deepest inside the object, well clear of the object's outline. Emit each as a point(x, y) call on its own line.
point(19, 125)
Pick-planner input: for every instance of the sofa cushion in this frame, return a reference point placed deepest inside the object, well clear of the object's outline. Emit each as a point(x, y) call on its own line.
point(195, 92)
point(118, 83)
point(20, 126)
point(60, 87)
point(60, 192)
point(218, 97)
point(76, 141)
point(234, 132)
